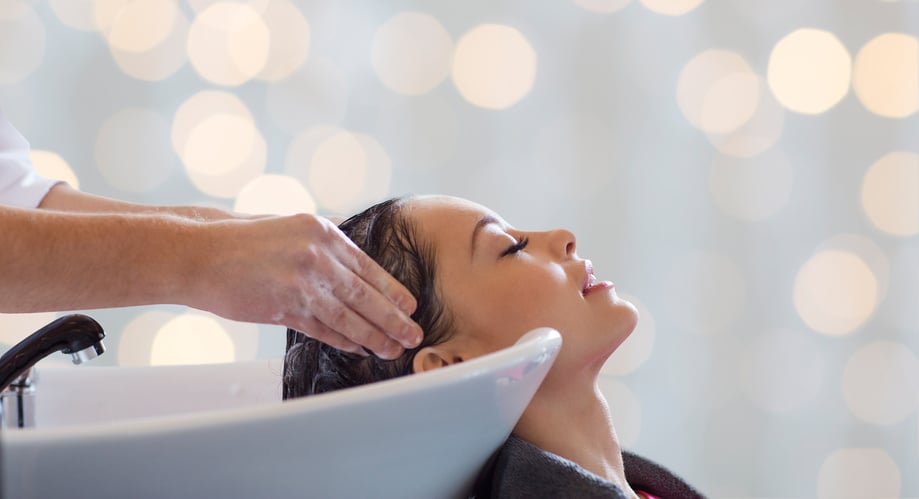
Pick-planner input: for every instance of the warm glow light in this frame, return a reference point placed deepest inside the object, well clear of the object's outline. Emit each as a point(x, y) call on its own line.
point(142, 25)
point(160, 61)
point(105, 12)
point(881, 383)
point(890, 193)
point(275, 195)
point(77, 14)
point(637, 348)
point(751, 189)
point(290, 39)
point(192, 339)
point(758, 134)
point(782, 387)
point(809, 71)
point(136, 340)
point(494, 66)
point(843, 473)
point(338, 172)
point(717, 91)
point(886, 75)
point(15, 327)
point(835, 292)
point(215, 135)
point(199, 107)
point(132, 150)
point(228, 43)
point(411, 53)
point(344, 170)
point(51, 165)
point(671, 7)
point(219, 144)
point(22, 41)
point(602, 6)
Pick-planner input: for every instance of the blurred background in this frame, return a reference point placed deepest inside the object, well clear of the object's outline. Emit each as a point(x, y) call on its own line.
point(746, 172)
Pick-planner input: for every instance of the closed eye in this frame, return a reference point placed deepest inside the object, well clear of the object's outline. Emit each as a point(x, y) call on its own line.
point(516, 247)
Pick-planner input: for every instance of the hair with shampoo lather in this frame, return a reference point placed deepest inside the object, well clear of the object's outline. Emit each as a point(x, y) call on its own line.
point(389, 237)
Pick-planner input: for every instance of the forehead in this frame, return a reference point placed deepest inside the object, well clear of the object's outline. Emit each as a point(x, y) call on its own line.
point(445, 219)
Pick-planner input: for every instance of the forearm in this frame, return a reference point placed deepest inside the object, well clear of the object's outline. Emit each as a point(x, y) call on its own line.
point(53, 260)
point(64, 198)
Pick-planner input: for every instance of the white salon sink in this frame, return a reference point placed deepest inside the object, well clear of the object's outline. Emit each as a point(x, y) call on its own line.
point(221, 431)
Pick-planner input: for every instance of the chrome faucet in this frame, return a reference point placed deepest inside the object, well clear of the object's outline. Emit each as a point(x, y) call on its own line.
point(76, 334)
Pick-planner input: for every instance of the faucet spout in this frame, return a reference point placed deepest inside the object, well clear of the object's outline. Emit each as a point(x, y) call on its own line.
point(76, 334)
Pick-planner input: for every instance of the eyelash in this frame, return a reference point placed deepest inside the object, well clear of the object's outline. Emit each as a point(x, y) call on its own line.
point(516, 247)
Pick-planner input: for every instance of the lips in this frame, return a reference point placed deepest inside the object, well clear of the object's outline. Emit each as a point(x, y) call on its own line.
point(589, 278)
point(591, 283)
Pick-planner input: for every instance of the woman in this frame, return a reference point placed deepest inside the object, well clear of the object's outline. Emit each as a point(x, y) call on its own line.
point(480, 284)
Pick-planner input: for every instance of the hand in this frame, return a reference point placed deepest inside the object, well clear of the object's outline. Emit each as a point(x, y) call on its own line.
point(302, 272)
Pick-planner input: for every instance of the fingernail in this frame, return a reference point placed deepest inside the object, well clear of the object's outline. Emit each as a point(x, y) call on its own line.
point(411, 336)
point(405, 304)
point(391, 351)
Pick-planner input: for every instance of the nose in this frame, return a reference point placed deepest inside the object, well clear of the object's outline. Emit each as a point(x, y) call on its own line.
point(564, 242)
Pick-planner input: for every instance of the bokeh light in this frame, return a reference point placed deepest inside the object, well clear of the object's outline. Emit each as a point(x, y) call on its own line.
point(275, 195)
point(637, 348)
point(890, 193)
point(215, 135)
point(142, 25)
point(886, 75)
point(782, 387)
point(835, 292)
point(132, 150)
point(51, 165)
point(751, 189)
point(758, 134)
point(290, 39)
point(809, 71)
point(150, 61)
point(136, 339)
point(22, 41)
point(866, 249)
point(192, 338)
point(602, 6)
point(881, 383)
point(228, 43)
point(494, 66)
point(16, 327)
point(348, 170)
point(717, 91)
point(77, 14)
point(671, 7)
point(625, 409)
point(411, 53)
point(857, 473)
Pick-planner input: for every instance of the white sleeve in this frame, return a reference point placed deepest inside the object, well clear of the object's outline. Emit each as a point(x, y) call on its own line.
point(20, 184)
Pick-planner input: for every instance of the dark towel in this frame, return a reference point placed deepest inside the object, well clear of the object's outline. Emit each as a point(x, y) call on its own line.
point(520, 470)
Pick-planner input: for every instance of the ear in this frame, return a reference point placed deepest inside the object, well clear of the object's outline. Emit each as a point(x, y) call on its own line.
point(430, 358)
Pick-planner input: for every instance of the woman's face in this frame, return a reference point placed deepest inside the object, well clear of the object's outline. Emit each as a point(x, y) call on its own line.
point(499, 282)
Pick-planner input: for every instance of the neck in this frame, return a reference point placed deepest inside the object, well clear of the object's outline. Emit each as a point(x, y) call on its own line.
point(572, 420)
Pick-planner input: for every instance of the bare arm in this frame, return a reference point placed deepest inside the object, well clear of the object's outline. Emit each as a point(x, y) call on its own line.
point(83, 251)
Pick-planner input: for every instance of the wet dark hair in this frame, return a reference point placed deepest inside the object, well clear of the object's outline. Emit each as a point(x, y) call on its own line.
point(391, 239)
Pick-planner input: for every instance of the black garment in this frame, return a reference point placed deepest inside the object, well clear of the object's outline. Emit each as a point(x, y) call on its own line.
point(520, 470)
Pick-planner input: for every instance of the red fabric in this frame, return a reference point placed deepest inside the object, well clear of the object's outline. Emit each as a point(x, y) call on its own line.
point(645, 495)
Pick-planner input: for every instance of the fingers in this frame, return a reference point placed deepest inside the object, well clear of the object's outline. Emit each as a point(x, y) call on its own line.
point(320, 332)
point(377, 296)
point(335, 320)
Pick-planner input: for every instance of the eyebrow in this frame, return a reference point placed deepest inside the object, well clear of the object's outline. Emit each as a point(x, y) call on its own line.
point(487, 219)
